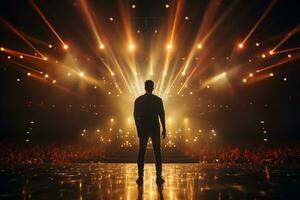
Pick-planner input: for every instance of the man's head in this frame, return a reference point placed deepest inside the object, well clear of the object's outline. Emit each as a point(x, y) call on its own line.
point(149, 86)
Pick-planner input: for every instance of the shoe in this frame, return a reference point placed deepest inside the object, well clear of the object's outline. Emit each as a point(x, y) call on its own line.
point(159, 180)
point(139, 181)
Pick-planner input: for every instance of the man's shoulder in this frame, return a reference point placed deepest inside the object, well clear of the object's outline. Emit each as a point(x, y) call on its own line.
point(147, 96)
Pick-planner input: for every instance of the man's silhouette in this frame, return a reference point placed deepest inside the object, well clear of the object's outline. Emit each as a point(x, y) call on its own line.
point(147, 109)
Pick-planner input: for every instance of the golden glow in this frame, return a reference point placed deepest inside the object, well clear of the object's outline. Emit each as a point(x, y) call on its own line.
point(131, 47)
point(81, 74)
point(241, 45)
point(65, 47)
point(199, 46)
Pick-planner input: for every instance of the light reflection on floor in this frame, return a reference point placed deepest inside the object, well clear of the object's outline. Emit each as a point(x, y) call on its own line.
point(117, 181)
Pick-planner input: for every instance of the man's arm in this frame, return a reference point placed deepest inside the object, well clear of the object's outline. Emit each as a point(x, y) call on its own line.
point(161, 114)
point(136, 114)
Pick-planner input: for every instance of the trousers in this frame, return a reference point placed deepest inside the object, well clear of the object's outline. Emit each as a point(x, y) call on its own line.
point(157, 152)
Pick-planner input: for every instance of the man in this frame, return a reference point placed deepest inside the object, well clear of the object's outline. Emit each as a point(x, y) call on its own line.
point(147, 109)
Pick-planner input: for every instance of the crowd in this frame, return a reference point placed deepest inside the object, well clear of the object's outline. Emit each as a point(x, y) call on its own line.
point(52, 154)
point(69, 153)
point(255, 155)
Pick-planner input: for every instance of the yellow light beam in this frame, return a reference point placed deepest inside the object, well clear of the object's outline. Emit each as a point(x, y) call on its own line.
point(262, 17)
point(19, 53)
point(47, 22)
point(179, 7)
point(283, 61)
point(20, 35)
point(286, 50)
point(288, 35)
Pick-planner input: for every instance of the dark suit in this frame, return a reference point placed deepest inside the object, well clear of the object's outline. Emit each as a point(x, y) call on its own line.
point(147, 109)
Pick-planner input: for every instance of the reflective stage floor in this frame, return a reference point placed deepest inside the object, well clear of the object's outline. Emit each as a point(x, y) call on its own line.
point(117, 181)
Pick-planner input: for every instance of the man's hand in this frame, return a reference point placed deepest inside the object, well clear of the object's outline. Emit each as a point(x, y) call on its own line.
point(163, 134)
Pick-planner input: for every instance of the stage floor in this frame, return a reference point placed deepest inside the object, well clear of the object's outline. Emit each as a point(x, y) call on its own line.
point(117, 181)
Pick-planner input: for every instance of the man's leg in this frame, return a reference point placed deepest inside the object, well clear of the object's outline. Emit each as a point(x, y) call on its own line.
point(157, 152)
point(141, 156)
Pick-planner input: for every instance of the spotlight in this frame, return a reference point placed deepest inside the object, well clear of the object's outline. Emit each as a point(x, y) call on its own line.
point(241, 45)
point(8, 57)
point(45, 58)
point(244, 80)
point(2, 48)
point(133, 6)
point(271, 52)
point(251, 75)
point(81, 74)
point(28, 74)
point(111, 19)
point(21, 56)
point(186, 18)
point(224, 74)
point(183, 73)
point(131, 47)
point(285, 79)
point(50, 46)
point(257, 44)
point(112, 73)
point(54, 81)
point(263, 55)
point(167, 5)
point(199, 46)
point(271, 74)
point(101, 46)
point(169, 46)
point(65, 47)
point(46, 75)
point(289, 55)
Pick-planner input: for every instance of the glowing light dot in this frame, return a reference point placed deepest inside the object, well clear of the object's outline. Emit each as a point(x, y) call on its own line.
point(186, 18)
point(45, 58)
point(131, 47)
point(111, 19)
point(224, 74)
point(46, 75)
point(8, 57)
point(112, 73)
point(183, 73)
point(21, 56)
point(263, 55)
point(271, 52)
point(167, 6)
point(133, 6)
point(18, 80)
point(285, 79)
point(289, 55)
point(251, 75)
point(101, 46)
point(207, 86)
point(257, 44)
point(241, 45)
point(81, 74)
point(199, 46)
point(169, 46)
point(155, 31)
point(50, 46)
point(54, 81)
point(2, 48)
point(271, 74)
point(257, 71)
point(65, 46)
point(244, 80)
point(28, 74)
point(69, 74)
